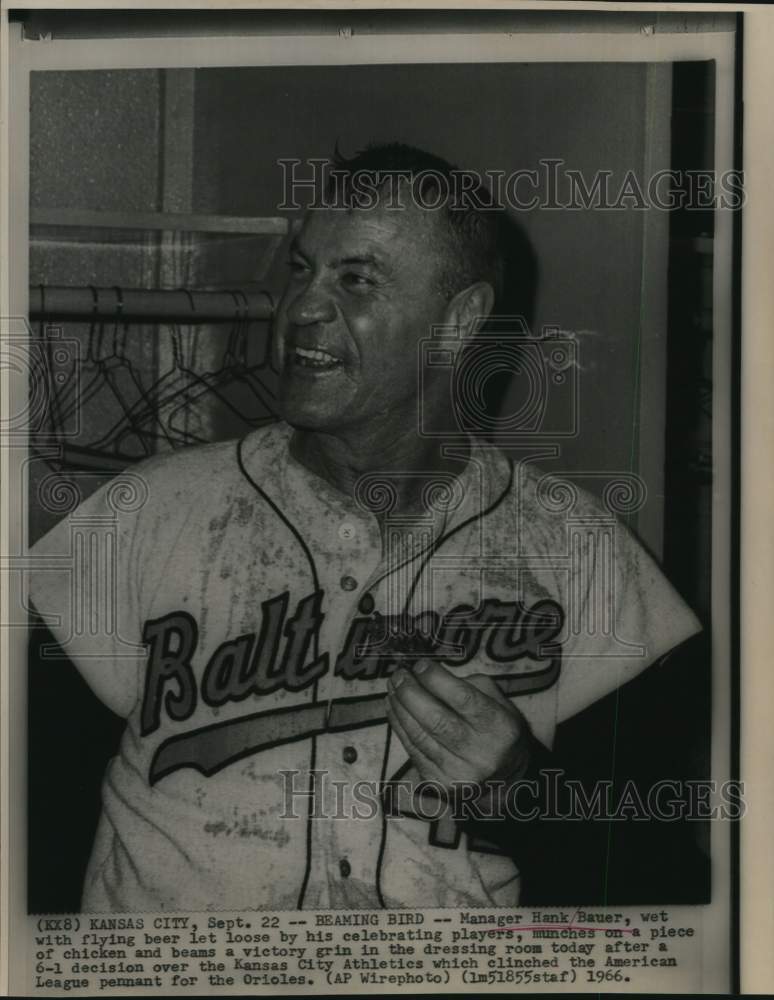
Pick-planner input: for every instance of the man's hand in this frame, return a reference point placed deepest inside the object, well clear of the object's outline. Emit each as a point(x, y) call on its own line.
point(455, 729)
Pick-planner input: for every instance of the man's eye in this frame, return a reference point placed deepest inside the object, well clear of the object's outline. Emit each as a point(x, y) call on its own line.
point(356, 282)
point(297, 266)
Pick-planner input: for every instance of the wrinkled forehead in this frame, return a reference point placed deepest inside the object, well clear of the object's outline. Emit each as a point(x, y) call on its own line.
point(393, 230)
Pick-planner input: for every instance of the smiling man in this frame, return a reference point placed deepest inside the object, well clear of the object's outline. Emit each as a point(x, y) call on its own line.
point(310, 622)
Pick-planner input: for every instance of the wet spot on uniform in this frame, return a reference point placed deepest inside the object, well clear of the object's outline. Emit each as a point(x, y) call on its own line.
point(245, 510)
point(221, 523)
point(279, 837)
point(529, 588)
point(248, 826)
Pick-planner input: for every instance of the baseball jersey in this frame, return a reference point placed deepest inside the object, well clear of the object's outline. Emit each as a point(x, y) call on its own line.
point(243, 616)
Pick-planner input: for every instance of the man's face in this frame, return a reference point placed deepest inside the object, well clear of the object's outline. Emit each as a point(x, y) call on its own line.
point(363, 290)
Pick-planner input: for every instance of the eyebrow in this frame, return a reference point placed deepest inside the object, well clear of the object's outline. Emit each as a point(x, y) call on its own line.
point(357, 258)
point(363, 258)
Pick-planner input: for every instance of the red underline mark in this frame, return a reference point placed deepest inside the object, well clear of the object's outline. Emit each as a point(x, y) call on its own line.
point(562, 927)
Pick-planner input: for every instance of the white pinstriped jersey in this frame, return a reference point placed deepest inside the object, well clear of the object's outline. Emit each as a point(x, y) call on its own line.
point(228, 603)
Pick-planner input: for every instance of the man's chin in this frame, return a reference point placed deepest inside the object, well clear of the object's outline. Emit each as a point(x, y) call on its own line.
point(311, 403)
point(304, 416)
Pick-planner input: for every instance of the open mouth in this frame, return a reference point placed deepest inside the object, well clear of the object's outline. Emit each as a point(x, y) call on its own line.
point(314, 360)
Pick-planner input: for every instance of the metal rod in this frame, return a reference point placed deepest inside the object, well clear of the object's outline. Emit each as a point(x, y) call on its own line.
point(141, 305)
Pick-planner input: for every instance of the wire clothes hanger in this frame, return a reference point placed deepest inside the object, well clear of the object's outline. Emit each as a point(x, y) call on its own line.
point(53, 411)
point(148, 408)
point(237, 353)
point(91, 382)
point(162, 413)
point(233, 368)
point(70, 399)
point(115, 364)
point(117, 379)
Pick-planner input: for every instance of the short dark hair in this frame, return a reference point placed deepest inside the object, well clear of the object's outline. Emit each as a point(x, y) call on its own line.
point(472, 221)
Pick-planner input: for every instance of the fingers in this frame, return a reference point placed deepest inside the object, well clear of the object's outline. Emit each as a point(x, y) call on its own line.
point(515, 718)
point(426, 766)
point(432, 729)
point(455, 728)
point(469, 701)
point(488, 686)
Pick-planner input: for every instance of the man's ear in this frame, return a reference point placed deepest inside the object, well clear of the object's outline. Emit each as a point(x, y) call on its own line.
point(472, 304)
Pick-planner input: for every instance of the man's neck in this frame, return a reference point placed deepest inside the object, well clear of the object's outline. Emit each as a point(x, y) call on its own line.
point(342, 459)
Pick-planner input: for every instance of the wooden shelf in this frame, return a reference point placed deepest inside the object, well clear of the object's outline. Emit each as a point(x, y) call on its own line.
point(182, 222)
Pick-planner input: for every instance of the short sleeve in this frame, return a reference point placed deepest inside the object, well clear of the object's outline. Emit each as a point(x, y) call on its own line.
point(83, 582)
point(622, 615)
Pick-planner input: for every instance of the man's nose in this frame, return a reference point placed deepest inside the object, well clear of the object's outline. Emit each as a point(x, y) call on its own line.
point(312, 305)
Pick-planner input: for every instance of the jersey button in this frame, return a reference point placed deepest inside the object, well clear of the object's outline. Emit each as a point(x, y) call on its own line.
point(350, 755)
point(348, 583)
point(345, 868)
point(347, 531)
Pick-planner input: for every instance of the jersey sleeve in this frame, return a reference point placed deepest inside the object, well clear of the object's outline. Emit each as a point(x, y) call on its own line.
point(83, 581)
point(622, 616)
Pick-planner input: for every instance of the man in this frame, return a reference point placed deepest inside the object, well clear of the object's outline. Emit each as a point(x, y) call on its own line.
point(360, 594)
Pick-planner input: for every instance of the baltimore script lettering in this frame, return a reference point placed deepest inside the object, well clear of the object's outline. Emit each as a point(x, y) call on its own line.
point(376, 644)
